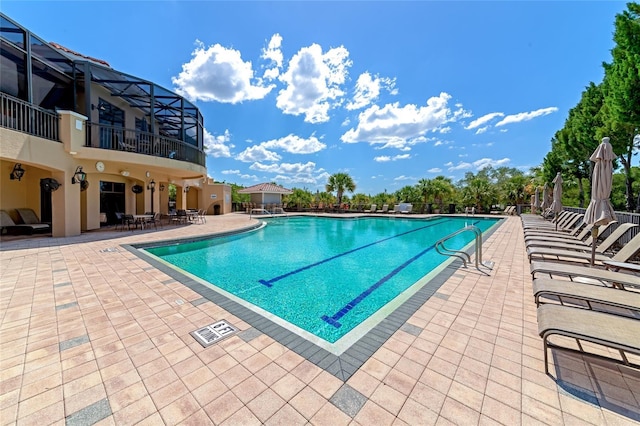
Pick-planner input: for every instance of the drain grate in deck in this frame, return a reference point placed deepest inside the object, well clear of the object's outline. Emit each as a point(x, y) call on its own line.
point(109, 250)
point(213, 333)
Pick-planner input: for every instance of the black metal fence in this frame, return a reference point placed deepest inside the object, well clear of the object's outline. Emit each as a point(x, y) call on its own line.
point(623, 217)
point(24, 117)
point(130, 140)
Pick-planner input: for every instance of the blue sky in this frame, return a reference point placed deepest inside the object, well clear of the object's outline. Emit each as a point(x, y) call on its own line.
point(388, 92)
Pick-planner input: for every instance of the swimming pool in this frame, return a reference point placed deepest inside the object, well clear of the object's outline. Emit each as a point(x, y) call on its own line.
point(328, 279)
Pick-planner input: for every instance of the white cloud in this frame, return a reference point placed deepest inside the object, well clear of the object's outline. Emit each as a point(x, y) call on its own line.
point(243, 176)
point(526, 116)
point(217, 146)
point(435, 170)
point(294, 173)
point(481, 130)
point(257, 153)
point(295, 144)
point(478, 164)
point(485, 162)
point(387, 158)
point(273, 54)
point(286, 168)
point(368, 89)
point(483, 120)
point(396, 126)
point(460, 166)
point(218, 74)
point(313, 82)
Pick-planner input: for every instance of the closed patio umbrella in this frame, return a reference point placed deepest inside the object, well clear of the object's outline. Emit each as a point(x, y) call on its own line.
point(599, 211)
point(545, 198)
point(536, 200)
point(556, 205)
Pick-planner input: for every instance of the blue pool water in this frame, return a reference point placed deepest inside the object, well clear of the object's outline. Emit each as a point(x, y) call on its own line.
point(323, 275)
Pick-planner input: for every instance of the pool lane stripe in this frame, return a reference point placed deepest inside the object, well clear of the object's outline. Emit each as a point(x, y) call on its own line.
point(269, 283)
point(333, 320)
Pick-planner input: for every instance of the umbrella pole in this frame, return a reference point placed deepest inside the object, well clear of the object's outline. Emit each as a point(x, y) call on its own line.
point(594, 237)
point(556, 221)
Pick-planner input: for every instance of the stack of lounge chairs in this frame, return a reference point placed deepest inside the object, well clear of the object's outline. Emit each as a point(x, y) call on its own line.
point(589, 310)
point(30, 223)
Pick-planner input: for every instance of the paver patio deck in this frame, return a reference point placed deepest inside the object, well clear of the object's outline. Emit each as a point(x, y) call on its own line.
point(92, 334)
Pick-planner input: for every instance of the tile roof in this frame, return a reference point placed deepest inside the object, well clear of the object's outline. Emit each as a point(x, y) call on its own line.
point(80, 55)
point(270, 188)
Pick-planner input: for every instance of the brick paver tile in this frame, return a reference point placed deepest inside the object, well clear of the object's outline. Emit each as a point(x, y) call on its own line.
point(179, 409)
point(223, 407)
point(389, 398)
point(330, 414)
point(372, 413)
point(459, 413)
point(249, 389)
point(243, 416)
point(414, 413)
point(287, 415)
point(133, 413)
point(266, 404)
point(307, 402)
point(363, 382)
point(325, 384)
point(287, 387)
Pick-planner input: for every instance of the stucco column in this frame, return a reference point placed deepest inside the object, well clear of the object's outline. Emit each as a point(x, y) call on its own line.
point(65, 206)
point(90, 199)
point(72, 131)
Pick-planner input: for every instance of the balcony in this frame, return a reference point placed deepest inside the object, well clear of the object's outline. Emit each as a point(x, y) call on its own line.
point(24, 117)
point(139, 142)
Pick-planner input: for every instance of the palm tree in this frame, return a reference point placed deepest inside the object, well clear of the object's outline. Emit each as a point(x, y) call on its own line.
point(441, 188)
point(301, 198)
point(340, 182)
point(424, 188)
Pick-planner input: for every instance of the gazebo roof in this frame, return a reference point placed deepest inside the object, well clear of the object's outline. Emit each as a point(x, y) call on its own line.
point(265, 188)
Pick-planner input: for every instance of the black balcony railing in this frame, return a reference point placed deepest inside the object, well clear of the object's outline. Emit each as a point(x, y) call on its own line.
point(24, 117)
point(135, 141)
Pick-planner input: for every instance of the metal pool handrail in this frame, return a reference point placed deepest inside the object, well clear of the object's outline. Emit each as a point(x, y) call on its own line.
point(271, 213)
point(462, 255)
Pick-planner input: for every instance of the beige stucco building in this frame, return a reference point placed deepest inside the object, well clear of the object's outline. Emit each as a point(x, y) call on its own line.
point(65, 116)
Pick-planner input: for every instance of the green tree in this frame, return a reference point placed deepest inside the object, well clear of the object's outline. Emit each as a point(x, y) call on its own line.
point(621, 87)
point(408, 194)
point(441, 189)
point(325, 198)
point(424, 189)
point(239, 198)
point(477, 190)
point(300, 198)
point(340, 182)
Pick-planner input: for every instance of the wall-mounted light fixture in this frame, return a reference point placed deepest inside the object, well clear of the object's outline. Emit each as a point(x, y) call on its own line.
point(124, 173)
point(17, 172)
point(162, 187)
point(187, 188)
point(79, 176)
point(152, 187)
